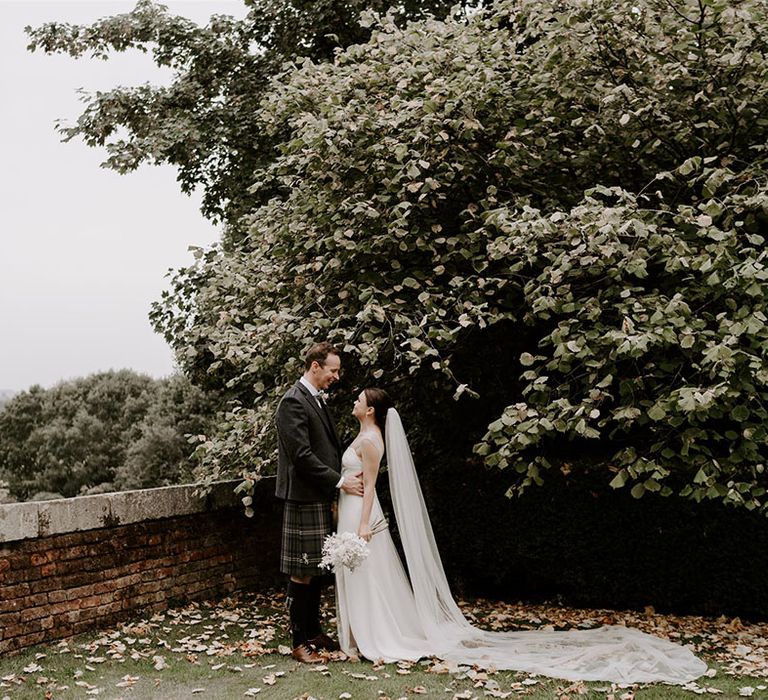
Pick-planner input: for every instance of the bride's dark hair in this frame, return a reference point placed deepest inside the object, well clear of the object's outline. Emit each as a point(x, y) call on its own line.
point(379, 401)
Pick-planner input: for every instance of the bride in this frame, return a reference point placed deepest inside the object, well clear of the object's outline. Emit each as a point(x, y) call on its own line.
point(383, 616)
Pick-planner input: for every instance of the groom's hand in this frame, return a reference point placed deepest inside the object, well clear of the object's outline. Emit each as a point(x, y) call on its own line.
point(353, 485)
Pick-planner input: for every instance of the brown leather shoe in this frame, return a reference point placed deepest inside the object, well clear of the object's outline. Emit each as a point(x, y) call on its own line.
point(306, 655)
point(323, 641)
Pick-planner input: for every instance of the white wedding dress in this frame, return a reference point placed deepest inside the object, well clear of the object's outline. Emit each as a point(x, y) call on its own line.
point(383, 616)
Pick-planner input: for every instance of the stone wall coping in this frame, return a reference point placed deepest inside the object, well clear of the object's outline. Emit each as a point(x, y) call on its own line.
point(32, 519)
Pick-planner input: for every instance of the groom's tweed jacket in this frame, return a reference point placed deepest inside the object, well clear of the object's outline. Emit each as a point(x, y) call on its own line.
point(309, 451)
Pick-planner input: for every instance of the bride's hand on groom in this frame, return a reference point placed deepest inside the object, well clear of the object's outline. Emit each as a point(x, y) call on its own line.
point(353, 485)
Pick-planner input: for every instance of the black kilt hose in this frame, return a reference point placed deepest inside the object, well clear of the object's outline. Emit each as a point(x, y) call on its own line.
point(305, 527)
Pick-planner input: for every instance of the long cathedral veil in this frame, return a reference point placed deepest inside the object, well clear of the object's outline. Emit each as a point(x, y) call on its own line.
point(609, 653)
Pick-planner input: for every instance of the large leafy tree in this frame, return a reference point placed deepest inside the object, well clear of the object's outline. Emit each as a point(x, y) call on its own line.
point(554, 214)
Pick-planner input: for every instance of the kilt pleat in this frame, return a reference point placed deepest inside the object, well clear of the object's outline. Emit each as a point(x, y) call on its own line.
point(305, 527)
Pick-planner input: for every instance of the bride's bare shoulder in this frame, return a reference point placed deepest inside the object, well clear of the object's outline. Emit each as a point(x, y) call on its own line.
point(368, 438)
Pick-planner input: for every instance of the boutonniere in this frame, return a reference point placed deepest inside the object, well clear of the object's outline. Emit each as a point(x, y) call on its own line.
point(322, 395)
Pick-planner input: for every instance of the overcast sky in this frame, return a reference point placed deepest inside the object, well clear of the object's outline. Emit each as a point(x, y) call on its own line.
point(83, 250)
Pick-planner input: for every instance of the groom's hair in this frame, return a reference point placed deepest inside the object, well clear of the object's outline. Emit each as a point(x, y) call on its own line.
point(319, 353)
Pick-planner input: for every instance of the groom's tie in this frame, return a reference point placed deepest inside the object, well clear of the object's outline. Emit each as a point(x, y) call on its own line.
point(325, 409)
point(328, 419)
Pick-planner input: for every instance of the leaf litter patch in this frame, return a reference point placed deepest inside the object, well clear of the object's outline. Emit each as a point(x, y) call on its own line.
point(230, 636)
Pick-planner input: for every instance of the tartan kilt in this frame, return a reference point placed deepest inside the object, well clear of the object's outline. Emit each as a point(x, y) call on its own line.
point(305, 527)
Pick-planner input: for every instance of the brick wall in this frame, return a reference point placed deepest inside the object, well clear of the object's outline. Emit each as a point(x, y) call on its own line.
point(95, 560)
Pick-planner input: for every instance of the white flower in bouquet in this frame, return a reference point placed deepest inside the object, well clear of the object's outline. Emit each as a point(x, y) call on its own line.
point(343, 549)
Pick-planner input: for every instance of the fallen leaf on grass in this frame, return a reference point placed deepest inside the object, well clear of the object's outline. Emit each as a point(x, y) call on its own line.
point(444, 667)
point(699, 690)
point(128, 681)
point(493, 689)
point(579, 688)
point(271, 678)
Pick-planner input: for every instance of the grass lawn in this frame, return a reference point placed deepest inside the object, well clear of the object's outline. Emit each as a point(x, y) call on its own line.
point(236, 648)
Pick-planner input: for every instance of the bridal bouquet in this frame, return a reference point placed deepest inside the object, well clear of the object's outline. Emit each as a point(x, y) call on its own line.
point(347, 549)
point(343, 549)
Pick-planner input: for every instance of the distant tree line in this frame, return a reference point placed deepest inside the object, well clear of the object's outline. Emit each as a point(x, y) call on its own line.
point(109, 431)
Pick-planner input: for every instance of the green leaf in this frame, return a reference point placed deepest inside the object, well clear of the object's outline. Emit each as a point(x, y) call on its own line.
point(652, 485)
point(690, 165)
point(619, 480)
point(657, 412)
point(740, 413)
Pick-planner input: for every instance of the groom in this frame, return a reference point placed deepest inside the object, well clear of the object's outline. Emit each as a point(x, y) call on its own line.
point(308, 474)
